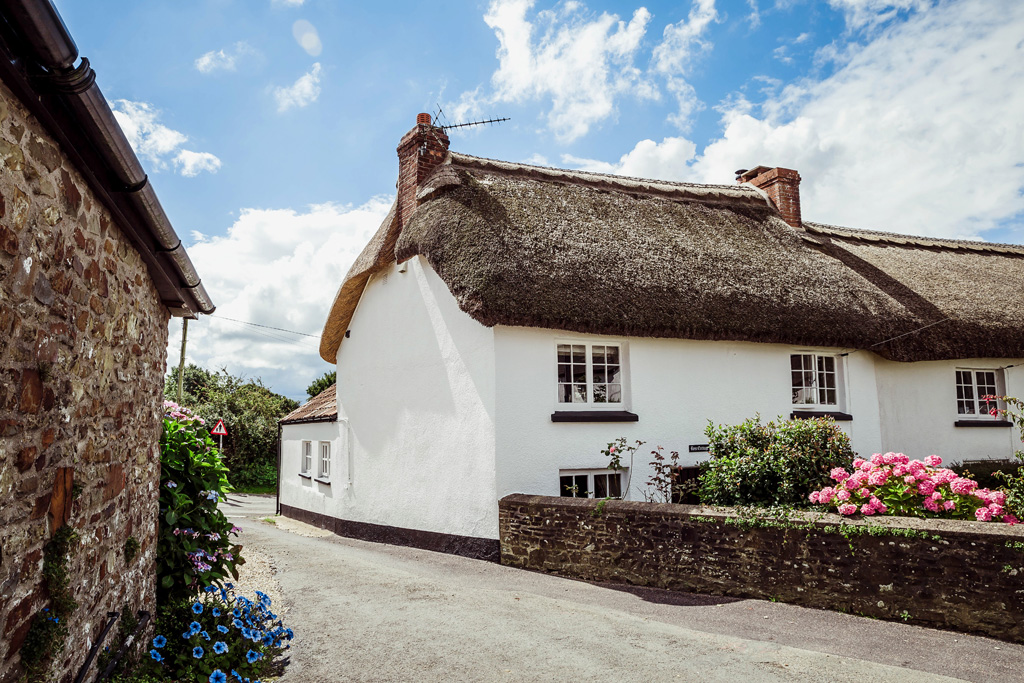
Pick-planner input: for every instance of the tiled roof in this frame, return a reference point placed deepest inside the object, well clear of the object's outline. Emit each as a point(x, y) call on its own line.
point(321, 408)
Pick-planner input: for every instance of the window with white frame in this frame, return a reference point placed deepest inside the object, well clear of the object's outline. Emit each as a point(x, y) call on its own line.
point(307, 457)
point(590, 484)
point(815, 380)
point(325, 460)
point(973, 385)
point(589, 374)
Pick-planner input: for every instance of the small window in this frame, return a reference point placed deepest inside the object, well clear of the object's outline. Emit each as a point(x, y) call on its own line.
point(815, 380)
point(307, 457)
point(590, 374)
point(590, 484)
point(325, 460)
point(973, 386)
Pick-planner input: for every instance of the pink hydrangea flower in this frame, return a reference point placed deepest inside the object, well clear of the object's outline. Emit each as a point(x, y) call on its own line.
point(997, 510)
point(880, 507)
point(813, 497)
point(864, 493)
point(936, 496)
point(963, 486)
point(1011, 520)
point(865, 466)
point(915, 467)
point(857, 462)
point(933, 461)
point(944, 476)
point(930, 504)
point(847, 509)
point(877, 459)
point(843, 495)
point(839, 474)
point(998, 497)
point(901, 459)
point(851, 484)
point(910, 479)
point(825, 495)
point(867, 509)
point(878, 477)
point(899, 470)
point(949, 505)
point(926, 487)
point(983, 514)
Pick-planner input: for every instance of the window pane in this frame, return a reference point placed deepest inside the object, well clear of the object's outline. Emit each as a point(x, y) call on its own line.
point(830, 397)
point(563, 353)
point(600, 393)
point(564, 372)
point(612, 355)
point(597, 354)
point(599, 374)
point(565, 487)
point(579, 393)
point(579, 374)
point(615, 393)
point(600, 486)
point(579, 354)
point(565, 393)
point(969, 392)
point(615, 485)
point(965, 408)
point(614, 373)
point(796, 363)
point(581, 486)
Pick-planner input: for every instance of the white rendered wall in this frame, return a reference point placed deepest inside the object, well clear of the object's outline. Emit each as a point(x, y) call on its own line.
point(307, 492)
point(918, 410)
point(416, 397)
point(675, 387)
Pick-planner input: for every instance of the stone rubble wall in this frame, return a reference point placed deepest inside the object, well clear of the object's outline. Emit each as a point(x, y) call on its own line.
point(83, 340)
point(967, 576)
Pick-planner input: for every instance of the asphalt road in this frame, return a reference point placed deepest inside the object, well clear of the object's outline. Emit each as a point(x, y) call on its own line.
point(371, 612)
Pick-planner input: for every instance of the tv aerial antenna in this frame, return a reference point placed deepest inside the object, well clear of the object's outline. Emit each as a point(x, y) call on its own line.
point(445, 125)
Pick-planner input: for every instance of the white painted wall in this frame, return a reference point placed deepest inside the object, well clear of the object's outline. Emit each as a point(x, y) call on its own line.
point(919, 410)
point(416, 386)
point(303, 492)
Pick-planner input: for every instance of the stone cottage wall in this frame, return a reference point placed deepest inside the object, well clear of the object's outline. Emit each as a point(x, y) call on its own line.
point(83, 340)
point(950, 574)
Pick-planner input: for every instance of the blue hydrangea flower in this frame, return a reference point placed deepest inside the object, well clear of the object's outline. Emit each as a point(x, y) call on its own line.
point(218, 676)
point(159, 641)
point(155, 654)
point(222, 628)
point(197, 652)
point(252, 656)
point(195, 627)
point(197, 607)
point(220, 647)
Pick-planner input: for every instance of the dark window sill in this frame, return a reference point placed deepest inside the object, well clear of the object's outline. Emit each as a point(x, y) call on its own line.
point(594, 416)
point(305, 476)
point(834, 414)
point(982, 423)
point(319, 480)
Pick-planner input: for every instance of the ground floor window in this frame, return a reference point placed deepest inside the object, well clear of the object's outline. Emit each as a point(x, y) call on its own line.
point(590, 484)
point(307, 457)
point(975, 389)
point(325, 459)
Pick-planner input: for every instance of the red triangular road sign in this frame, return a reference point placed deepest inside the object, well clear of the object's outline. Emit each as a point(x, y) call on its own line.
point(220, 429)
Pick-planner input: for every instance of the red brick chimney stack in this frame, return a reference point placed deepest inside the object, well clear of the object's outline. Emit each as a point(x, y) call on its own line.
point(421, 150)
point(782, 186)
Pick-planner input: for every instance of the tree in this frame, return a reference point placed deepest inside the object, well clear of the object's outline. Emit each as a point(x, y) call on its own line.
point(322, 383)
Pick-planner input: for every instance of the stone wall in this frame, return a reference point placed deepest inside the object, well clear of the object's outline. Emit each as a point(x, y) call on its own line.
point(83, 340)
point(960, 575)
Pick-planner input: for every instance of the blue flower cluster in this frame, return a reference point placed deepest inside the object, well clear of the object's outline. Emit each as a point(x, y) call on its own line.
point(234, 619)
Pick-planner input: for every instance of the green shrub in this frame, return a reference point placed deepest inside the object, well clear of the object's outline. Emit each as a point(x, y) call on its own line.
point(771, 464)
point(1013, 482)
point(194, 547)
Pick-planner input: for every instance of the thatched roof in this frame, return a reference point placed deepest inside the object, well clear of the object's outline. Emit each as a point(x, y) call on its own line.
point(321, 408)
point(585, 252)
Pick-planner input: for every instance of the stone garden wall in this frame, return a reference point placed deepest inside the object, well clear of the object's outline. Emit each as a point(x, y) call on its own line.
point(967, 576)
point(83, 340)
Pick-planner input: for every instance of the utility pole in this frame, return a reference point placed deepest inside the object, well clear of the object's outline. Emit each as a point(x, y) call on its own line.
point(181, 363)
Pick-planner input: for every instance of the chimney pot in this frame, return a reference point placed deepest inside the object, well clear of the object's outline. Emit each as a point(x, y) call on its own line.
point(423, 119)
point(782, 185)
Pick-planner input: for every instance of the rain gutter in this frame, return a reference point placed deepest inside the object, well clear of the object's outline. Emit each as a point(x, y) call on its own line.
point(37, 57)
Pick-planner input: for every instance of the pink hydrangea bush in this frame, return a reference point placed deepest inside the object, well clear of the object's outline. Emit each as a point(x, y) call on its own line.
point(892, 483)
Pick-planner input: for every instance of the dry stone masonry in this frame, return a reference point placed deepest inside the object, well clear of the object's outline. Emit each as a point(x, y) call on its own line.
point(82, 356)
point(967, 576)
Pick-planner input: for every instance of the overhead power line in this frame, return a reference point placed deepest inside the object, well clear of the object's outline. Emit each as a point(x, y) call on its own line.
point(279, 329)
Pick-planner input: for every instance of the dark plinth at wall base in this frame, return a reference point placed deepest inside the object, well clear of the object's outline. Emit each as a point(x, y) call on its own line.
point(594, 416)
point(834, 414)
point(982, 423)
point(464, 546)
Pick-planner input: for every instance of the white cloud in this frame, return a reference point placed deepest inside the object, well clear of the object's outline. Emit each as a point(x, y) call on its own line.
point(222, 60)
point(281, 268)
point(158, 144)
point(673, 58)
point(287, 3)
point(862, 14)
point(918, 133)
point(754, 18)
point(307, 37)
point(580, 62)
point(190, 164)
point(301, 93)
point(665, 160)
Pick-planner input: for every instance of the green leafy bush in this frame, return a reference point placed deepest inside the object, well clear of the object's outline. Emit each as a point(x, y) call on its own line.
point(1013, 482)
point(771, 464)
point(194, 547)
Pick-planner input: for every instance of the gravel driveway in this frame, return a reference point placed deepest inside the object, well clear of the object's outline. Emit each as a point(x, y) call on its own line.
point(371, 612)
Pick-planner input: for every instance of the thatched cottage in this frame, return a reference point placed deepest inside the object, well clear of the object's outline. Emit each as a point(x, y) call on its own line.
point(90, 273)
point(507, 321)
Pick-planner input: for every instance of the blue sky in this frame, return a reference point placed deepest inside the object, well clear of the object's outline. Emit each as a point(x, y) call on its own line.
point(269, 127)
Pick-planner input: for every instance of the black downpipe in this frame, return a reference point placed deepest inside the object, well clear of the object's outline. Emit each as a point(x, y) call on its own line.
point(143, 620)
point(277, 503)
point(111, 618)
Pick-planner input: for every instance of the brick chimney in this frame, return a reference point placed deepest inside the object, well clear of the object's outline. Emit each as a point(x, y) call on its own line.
point(419, 153)
point(782, 186)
